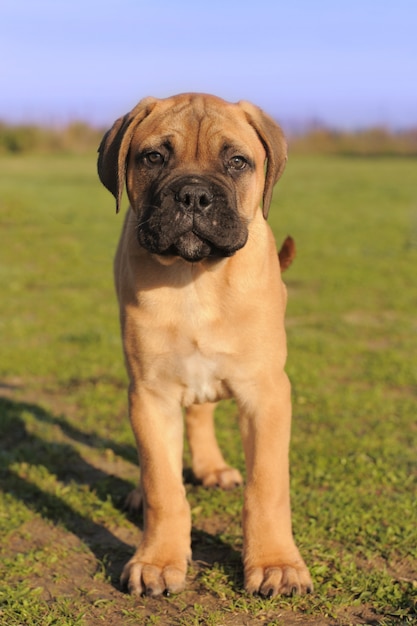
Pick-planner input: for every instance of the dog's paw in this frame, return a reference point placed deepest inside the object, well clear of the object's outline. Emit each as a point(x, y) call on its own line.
point(225, 478)
point(141, 578)
point(134, 501)
point(287, 580)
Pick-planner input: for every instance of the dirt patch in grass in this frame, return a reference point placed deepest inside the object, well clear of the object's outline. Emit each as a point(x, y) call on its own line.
point(59, 565)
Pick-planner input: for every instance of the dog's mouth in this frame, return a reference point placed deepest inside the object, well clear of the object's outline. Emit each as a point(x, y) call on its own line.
point(192, 219)
point(193, 248)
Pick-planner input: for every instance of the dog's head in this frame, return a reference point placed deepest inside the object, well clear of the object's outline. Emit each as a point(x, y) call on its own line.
point(194, 169)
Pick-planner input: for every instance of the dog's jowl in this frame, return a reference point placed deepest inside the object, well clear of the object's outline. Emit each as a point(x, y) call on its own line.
point(202, 308)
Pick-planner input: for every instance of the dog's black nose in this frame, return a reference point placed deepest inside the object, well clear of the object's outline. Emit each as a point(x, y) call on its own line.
point(194, 196)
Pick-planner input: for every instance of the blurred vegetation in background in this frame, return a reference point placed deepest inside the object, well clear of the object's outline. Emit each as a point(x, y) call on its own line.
point(80, 137)
point(74, 138)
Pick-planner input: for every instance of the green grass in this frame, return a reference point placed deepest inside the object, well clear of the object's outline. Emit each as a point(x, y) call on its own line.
point(67, 458)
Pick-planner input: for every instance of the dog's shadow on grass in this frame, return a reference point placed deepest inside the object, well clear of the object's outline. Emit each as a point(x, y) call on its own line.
point(209, 550)
point(22, 451)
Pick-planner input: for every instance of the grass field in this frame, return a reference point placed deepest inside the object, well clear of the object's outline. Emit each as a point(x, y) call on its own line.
point(67, 458)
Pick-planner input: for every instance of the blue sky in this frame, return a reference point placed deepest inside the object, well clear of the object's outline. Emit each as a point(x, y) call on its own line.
point(347, 63)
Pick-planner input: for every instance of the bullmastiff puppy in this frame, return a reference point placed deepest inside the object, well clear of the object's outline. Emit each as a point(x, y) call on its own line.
point(202, 317)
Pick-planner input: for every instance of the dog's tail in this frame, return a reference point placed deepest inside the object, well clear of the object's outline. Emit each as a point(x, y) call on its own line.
point(287, 253)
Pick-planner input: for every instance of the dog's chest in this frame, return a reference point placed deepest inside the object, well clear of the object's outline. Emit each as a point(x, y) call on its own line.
point(200, 378)
point(200, 362)
point(187, 339)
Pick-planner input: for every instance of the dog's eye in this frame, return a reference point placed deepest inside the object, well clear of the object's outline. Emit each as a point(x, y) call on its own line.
point(153, 158)
point(238, 163)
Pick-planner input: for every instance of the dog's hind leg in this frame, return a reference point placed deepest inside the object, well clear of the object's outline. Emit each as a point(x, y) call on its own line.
point(208, 463)
point(134, 500)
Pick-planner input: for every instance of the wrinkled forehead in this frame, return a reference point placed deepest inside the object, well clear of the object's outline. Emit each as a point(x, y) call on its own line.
point(201, 123)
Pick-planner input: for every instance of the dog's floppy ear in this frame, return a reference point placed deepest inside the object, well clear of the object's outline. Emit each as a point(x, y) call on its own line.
point(114, 148)
point(275, 145)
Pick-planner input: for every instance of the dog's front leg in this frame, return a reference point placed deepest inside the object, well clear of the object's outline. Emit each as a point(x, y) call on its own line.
point(160, 563)
point(272, 562)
